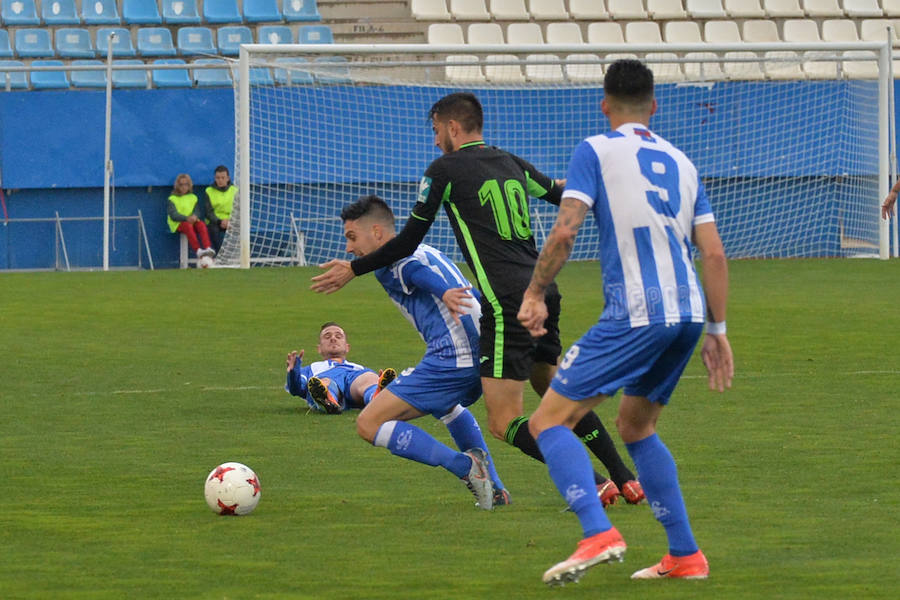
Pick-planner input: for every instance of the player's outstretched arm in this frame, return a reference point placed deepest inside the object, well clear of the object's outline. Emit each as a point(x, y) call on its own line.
point(716, 352)
point(887, 207)
point(337, 276)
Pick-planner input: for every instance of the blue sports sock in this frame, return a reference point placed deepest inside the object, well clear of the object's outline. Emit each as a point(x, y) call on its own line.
point(571, 471)
point(408, 441)
point(659, 478)
point(467, 434)
point(370, 391)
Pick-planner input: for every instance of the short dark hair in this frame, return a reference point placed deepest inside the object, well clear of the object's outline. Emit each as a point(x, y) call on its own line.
point(462, 107)
point(630, 81)
point(368, 206)
point(222, 168)
point(328, 324)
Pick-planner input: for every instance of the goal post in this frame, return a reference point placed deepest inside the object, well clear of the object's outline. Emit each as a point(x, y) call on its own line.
point(791, 140)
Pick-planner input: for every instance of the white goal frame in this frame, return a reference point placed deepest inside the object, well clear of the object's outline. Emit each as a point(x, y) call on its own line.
point(434, 54)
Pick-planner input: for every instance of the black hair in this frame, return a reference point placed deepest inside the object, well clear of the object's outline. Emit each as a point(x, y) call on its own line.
point(370, 205)
point(221, 168)
point(462, 107)
point(630, 81)
point(328, 324)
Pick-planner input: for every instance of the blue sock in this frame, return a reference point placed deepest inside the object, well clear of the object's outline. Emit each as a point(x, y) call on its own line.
point(467, 434)
point(659, 478)
point(571, 471)
point(408, 441)
point(370, 391)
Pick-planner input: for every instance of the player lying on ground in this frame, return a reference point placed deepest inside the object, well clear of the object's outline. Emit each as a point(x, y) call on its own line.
point(447, 378)
point(334, 384)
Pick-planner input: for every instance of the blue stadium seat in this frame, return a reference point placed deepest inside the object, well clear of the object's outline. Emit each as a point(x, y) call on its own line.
point(339, 73)
point(180, 12)
point(19, 12)
point(15, 80)
point(49, 80)
point(221, 11)
point(100, 12)
point(314, 34)
point(74, 43)
point(229, 39)
point(288, 76)
point(33, 43)
point(195, 40)
point(275, 34)
point(261, 11)
point(60, 12)
point(212, 77)
point(155, 41)
point(301, 10)
point(171, 77)
point(140, 12)
point(122, 45)
point(129, 78)
point(5, 48)
point(89, 79)
point(261, 76)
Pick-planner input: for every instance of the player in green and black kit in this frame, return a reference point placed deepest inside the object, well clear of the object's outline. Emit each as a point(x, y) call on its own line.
point(484, 191)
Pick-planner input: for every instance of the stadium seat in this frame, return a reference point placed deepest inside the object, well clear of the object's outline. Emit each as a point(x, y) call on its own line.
point(862, 9)
point(5, 47)
point(536, 71)
point(469, 10)
point(839, 30)
point(314, 34)
point(463, 73)
point(180, 12)
point(89, 79)
point(564, 33)
point(262, 11)
point(100, 12)
point(742, 69)
point(428, 10)
point(332, 69)
point(705, 9)
point(626, 10)
point(891, 8)
point(49, 80)
point(141, 12)
point(789, 67)
point(13, 80)
point(744, 9)
point(121, 46)
point(505, 73)
point(721, 32)
point(588, 10)
point(485, 33)
point(682, 32)
point(129, 78)
point(155, 41)
point(259, 76)
point(665, 66)
point(209, 77)
point(441, 34)
point(229, 39)
point(646, 32)
point(854, 69)
point(800, 30)
point(163, 78)
point(822, 8)
point(195, 40)
point(705, 71)
point(875, 30)
point(274, 34)
point(509, 10)
point(782, 8)
point(302, 10)
point(761, 30)
point(548, 10)
point(664, 10)
point(292, 76)
point(33, 43)
point(605, 33)
point(584, 67)
point(221, 11)
point(74, 43)
point(523, 33)
point(19, 12)
point(60, 12)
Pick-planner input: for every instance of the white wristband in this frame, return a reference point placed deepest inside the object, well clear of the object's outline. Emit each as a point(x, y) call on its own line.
point(715, 328)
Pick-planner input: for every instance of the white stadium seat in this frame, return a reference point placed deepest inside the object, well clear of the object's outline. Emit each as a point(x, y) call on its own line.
point(783, 8)
point(524, 33)
point(626, 10)
point(839, 30)
point(721, 32)
point(588, 10)
point(605, 33)
point(664, 71)
point(503, 73)
point(445, 33)
point(874, 30)
point(683, 32)
point(862, 8)
point(665, 10)
point(891, 8)
point(463, 73)
point(509, 10)
point(789, 68)
point(705, 9)
point(584, 67)
point(762, 30)
point(644, 32)
point(822, 8)
point(705, 71)
point(548, 10)
point(861, 69)
point(742, 69)
point(469, 10)
point(564, 33)
point(744, 9)
point(800, 30)
point(535, 71)
point(430, 10)
point(485, 33)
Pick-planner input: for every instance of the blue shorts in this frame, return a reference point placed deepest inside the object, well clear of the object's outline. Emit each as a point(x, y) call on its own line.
point(435, 389)
point(646, 361)
point(341, 382)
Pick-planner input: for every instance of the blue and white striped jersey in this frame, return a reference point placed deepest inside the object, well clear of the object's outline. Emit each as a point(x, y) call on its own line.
point(412, 285)
point(646, 198)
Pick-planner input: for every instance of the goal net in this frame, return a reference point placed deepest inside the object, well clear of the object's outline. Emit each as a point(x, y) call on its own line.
point(790, 141)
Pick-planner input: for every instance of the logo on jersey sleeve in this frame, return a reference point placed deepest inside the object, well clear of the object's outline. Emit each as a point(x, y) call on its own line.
point(424, 189)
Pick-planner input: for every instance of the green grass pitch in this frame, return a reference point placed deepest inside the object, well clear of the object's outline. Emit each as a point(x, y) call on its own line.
point(120, 391)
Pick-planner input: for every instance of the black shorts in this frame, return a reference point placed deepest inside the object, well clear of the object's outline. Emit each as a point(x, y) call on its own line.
point(507, 349)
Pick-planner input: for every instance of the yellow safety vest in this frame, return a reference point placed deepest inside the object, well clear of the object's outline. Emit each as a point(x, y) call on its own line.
point(183, 204)
point(222, 202)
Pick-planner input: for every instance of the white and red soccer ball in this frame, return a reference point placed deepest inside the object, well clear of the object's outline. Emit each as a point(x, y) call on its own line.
point(232, 489)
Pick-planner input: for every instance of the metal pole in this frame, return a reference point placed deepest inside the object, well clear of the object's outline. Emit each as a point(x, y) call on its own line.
point(107, 162)
point(244, 154)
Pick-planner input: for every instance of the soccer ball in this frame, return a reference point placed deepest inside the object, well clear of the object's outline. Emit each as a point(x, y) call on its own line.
point(205, 262)
point(232, 489)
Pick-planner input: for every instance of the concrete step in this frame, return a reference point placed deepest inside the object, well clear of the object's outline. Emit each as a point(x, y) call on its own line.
point(351, 10)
